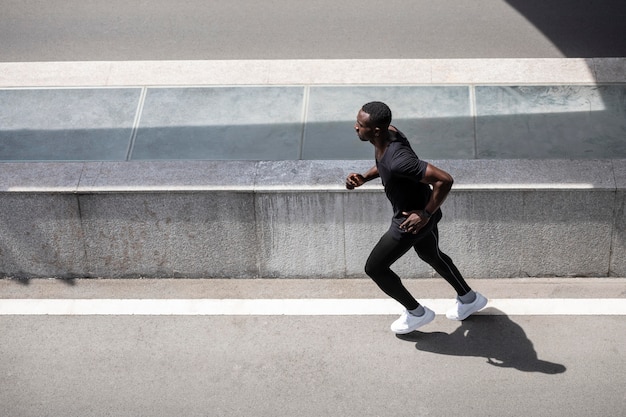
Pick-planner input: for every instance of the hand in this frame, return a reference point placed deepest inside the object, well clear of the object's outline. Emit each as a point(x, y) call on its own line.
point(354, 180)
point(413, 222)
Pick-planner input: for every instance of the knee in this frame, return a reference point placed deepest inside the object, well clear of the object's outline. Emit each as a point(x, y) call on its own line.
point(373, 270)
point(428, 258)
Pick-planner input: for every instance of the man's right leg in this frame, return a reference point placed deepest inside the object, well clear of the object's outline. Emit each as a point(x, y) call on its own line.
point(378, 267)
point(427, 248)
point(468, 301)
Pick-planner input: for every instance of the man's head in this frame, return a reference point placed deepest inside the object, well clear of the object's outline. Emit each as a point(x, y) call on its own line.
point(380, 114)
point(373, 119)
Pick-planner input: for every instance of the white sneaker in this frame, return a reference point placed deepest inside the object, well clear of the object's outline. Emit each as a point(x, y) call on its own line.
point(462, 311)
point(408, 322)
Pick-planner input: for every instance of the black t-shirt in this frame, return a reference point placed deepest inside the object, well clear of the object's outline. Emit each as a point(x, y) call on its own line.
point(401, 171)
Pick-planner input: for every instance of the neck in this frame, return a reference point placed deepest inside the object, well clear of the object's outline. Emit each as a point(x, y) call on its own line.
point(382, 140)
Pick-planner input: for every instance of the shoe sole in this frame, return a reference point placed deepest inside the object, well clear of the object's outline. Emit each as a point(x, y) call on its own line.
point(477, 308)
point(430, 316)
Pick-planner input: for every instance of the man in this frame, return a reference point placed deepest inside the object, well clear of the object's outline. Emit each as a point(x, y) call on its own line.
point(416, 190)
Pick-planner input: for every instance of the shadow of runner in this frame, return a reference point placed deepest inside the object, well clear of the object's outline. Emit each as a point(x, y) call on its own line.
point(494, 337)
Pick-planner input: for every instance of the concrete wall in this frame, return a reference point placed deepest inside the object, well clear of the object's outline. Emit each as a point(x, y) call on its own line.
point(240, 219)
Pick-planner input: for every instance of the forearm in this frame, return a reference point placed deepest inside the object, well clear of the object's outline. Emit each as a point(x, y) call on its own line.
point(440, 192)
point(356, 180)
point(371, 174)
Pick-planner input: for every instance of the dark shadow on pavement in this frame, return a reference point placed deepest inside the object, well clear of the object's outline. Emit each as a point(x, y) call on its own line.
point(579, 28)
point(494, 337)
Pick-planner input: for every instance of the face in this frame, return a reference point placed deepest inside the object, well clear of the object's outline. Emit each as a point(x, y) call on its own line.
point(362, 126)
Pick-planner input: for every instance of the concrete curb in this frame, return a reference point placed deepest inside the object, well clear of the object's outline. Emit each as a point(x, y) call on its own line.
point(313, 72)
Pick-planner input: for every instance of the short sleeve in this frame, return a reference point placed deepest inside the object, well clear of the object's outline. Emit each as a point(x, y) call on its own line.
point(407, 165)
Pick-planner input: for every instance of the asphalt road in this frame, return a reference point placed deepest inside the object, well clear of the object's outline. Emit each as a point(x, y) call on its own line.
point(493, 364)
point(87, 30)
point(311, 366)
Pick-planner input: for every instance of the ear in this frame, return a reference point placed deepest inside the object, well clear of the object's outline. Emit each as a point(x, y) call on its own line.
point(376, 131)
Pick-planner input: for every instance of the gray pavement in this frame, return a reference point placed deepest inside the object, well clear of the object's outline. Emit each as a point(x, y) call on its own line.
point(490, 365)
point(33, 30)
point(311, 366)
point(267, 288)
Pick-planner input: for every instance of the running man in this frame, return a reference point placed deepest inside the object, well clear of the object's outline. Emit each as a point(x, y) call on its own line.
point(416, 190)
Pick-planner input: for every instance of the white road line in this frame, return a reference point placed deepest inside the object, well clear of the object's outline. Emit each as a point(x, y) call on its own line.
point(297, 307)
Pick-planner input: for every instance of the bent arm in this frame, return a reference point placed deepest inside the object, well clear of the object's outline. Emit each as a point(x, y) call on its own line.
point(441, 183)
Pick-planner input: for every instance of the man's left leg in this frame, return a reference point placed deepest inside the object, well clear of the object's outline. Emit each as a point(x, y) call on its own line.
point(468, 301)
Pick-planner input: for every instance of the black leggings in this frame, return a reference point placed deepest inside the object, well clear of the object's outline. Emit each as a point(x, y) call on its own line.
point(388, 250)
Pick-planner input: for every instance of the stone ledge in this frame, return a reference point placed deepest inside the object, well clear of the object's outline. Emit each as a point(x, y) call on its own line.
point(297, 176)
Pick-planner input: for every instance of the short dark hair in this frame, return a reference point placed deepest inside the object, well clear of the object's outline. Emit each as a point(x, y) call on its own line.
point(380, 113)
